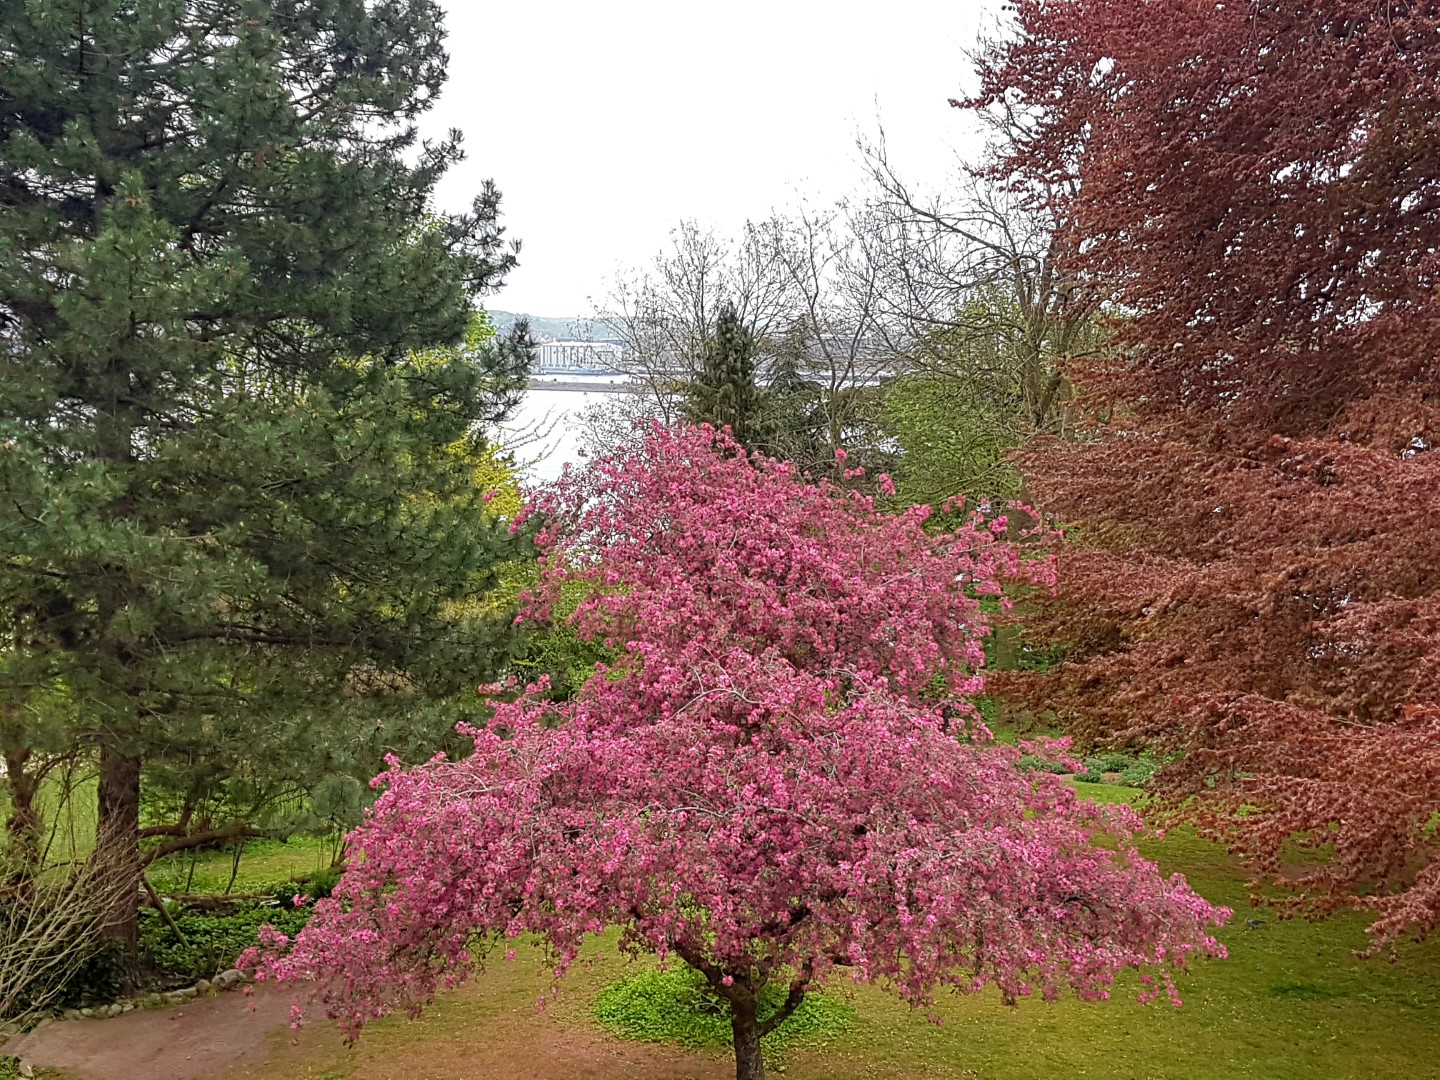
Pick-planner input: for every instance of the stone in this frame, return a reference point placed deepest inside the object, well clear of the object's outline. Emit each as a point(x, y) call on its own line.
point(228, 978)
point(114, 1010)
point(127, 1007)
point(27, 1070)
point(6, 1030)
point(71, 1014)
point(87, 1013)
point(203, 986)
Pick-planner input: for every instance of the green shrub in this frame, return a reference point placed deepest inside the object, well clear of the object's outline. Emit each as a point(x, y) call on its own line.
point(679, 1006)
point(1109, 761)
point(1134, 771)
point(1139, 774)
point(315, 885)
point(1040, 658)
point(1033, 763)
point(989, 710)
point(212, 942)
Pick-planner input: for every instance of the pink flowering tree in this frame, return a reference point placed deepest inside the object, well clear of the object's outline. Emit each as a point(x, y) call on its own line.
point(782, 778)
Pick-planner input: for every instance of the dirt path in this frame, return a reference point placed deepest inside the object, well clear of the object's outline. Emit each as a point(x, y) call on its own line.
point(210, 1037)
point(221, 1038)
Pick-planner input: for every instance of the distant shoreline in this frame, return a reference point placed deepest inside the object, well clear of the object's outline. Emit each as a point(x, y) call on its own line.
point(577, 384)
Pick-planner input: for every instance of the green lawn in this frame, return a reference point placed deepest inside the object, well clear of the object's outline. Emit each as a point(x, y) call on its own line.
point(1290, 1002)
point(263, 864)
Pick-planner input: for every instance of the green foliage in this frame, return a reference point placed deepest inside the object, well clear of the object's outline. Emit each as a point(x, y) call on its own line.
point(211, 942)
point(314, 885)
point(953, 441)
point(724, 393)
point(1139, 772)
point(321, 883)
point(990, 710)
point(796, 425)
point(1134, 771)
point(1109, 761)
point(553, 648)
point(677, 1005)
point(1127, 769)
point(1034, 763)
point(242, 524)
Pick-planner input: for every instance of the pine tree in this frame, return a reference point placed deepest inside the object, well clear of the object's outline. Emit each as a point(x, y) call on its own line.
point(725, 394)
point(237, 512)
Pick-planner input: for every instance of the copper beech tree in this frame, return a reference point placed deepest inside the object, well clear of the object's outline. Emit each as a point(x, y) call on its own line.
point(1253, 581)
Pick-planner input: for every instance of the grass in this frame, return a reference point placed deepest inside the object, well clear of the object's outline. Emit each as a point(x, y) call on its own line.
point(68, 808)
point(263, 865)
point(1291, 1003)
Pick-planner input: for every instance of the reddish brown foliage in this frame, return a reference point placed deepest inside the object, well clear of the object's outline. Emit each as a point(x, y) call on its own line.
point(1256, 581)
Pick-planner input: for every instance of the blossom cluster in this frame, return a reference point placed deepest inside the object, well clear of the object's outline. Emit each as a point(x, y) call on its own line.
point(779, 779)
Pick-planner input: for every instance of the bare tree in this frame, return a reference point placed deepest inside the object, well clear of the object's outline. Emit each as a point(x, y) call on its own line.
point(833, 324)
point(973, 289)
point(664, 314)
point(52, 918)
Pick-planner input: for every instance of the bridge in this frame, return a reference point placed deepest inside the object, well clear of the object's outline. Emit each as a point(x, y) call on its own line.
point(577, 358)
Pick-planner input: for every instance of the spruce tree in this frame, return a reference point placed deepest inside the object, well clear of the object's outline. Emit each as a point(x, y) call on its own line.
point(794, 425)
point(238, 520)
point(724, 392)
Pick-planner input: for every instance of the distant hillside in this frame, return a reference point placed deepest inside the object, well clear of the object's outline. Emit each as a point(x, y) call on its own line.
point(547, 328)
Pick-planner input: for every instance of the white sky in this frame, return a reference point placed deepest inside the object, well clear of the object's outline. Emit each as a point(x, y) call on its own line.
point(605, 123)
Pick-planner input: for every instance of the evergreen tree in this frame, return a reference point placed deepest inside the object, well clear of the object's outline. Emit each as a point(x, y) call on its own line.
point(234, 523)
point(724, 393)
point(795, 424)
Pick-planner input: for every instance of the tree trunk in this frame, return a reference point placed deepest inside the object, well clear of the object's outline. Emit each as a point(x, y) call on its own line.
point(749, 1062)
point(24, 824)
point(117, 838)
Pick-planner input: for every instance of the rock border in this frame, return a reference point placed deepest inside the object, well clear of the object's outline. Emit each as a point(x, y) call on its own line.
point(228, 979)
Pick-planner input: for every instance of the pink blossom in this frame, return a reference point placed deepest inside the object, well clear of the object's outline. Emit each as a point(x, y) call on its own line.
point(784, 775)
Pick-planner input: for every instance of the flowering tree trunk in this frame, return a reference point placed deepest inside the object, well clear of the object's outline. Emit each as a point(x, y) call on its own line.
point(749, 1061)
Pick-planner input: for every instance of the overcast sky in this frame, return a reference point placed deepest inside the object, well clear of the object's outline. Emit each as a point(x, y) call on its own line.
point(604, 123)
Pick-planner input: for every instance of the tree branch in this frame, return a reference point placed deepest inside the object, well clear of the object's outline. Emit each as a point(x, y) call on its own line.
point(792, 1002)
point(213, 836)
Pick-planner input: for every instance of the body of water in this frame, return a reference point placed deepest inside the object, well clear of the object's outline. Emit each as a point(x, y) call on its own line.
point(544, 432)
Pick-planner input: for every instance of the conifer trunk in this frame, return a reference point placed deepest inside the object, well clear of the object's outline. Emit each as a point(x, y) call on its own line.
point(117, 838)
point(24, 824)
